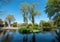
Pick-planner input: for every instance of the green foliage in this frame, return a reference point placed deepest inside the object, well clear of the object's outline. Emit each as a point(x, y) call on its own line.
point(10, 18)
point(52, 7)
point(45, 24)
point(57, 22)
point(28, 29)
point(25, 30)
point(24, 9)
point(29, 11)
point(33, 12)
point(15, 24)
point(53, 10)
point(47, 29)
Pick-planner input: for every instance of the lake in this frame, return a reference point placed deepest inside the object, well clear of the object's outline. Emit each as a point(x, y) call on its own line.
point(32, 37)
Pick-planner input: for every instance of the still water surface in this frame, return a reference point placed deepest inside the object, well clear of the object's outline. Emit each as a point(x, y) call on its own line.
point(33, 37)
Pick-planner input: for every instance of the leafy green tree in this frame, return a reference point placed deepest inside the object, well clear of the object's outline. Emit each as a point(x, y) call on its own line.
point(29, 11)
point(24, 9)
point(33, 12)
point(15, 24)
point(53, 8)
point(57, 21)
point(10, 18)
point(45, 24)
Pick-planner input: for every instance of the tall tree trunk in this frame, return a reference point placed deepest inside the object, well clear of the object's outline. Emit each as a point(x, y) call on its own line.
point(25, 18)
point(9, 24)
point(33, 19)
point(25, 39)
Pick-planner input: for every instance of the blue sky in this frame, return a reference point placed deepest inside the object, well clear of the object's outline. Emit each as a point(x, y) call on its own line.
point(13, 8)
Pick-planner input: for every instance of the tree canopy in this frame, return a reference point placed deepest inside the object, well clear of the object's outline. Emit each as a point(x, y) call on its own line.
point(10, 18)
point(52, 8)
point(29, 12)
point(24, 9)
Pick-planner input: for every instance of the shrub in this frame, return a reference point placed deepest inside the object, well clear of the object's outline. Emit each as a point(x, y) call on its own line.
point(47, 29)
point(28, 30)
point(25, 30)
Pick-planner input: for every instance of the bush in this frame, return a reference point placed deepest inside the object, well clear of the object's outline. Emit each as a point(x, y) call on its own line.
point(46, 29)
point(28, 30)
point(14, 24)
point(25, 30)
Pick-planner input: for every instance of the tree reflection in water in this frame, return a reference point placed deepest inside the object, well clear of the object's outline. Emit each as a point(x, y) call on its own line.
point(53, 33)
point(53, 40)
point(58, 35)
point(25, 39)
point(33, 38)
point(8, 38)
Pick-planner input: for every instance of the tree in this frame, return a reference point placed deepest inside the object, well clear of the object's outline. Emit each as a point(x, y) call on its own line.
point(33, 13)
point(14, 24)
point(57, 20)
point(10, 18)
point(24, 9)
point(47, 26)
point(53, 10)
point(29, 11)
